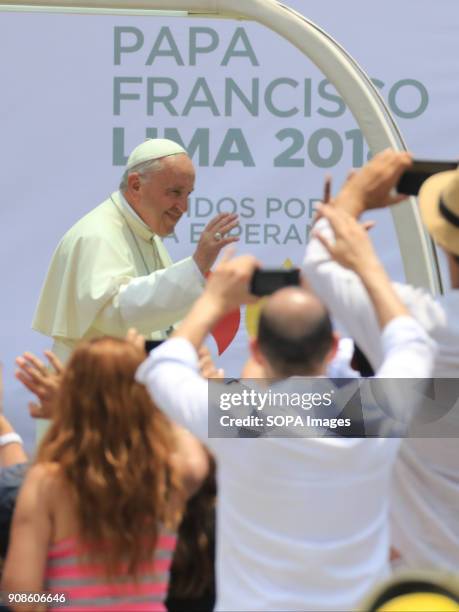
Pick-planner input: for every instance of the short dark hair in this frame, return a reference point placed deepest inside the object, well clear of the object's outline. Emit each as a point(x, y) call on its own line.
point(295, 354)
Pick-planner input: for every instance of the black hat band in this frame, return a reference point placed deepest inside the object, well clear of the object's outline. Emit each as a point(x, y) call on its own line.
point(447, 214)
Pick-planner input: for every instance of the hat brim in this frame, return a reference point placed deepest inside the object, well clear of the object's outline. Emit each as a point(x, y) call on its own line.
point(442, 232)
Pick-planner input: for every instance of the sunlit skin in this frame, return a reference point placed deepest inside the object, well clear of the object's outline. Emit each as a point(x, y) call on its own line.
point(296, 306)
point(160, 198)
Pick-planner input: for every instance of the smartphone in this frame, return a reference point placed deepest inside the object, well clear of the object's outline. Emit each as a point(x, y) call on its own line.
point(410, 182)
point(152, 344)
point(265, 282)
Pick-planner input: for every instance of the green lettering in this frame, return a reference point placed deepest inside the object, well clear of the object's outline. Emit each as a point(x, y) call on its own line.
point(118, 95)
point(207, 102)
point(246, 51)
point(120, 48)
point(195, 49)
point(277, 112)
point(153, 97)
point(165, 34)
point(251, 104)
point(423, 98)
point(327, 95)
point(336, 148)
point(234, 137)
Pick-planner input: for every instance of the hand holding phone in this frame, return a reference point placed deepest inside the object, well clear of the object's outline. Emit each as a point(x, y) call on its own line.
point(410, 182)
point(265, 282)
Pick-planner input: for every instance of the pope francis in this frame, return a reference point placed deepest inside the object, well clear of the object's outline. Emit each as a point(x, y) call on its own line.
point(111, 270)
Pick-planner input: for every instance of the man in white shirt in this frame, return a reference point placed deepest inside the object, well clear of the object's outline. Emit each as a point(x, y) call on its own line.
point(301, 522)
point(425, 506)
point(111, 270)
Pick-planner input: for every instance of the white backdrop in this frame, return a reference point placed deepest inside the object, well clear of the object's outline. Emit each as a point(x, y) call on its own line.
point(78, 92)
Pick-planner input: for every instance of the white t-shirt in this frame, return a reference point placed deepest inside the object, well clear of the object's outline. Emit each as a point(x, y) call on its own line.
point(301, 523)
point(425, 504)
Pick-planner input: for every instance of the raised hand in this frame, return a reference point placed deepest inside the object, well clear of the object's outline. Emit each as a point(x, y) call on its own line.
point(352, 247)
point(226, 289)
point(373, 186)
point(229, 284)
point(213, 239)
point(41, 381)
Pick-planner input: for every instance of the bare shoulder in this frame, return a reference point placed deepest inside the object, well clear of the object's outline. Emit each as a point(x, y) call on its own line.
point(42, 482)
point(190, 459)
point(44, 473)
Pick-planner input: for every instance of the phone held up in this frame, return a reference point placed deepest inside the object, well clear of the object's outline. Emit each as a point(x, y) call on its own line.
point(265, 282)
point(410, 182)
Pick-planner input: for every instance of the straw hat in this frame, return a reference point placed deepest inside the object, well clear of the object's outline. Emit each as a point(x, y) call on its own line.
point(439, 206)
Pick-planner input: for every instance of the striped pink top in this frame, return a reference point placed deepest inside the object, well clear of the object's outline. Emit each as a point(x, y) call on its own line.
point(86, 588)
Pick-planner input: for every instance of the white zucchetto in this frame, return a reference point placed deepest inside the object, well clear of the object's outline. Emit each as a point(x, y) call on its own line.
point(153, 148)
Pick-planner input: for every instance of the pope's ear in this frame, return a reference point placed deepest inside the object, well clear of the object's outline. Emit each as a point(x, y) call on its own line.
point(133, 181)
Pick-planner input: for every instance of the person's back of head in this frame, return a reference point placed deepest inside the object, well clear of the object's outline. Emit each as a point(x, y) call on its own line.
point(295, 335)
point(113, 447)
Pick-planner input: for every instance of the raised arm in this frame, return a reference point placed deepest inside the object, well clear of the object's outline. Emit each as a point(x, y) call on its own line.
point(41, 380)
point(352, 249)
point(340, 288)
point(407, 349)
point(373, 186)
point(171, 372)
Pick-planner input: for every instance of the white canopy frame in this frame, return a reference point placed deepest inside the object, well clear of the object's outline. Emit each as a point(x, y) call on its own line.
point(364, 101)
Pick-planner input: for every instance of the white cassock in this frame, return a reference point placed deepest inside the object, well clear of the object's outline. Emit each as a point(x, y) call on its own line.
point(110, 272)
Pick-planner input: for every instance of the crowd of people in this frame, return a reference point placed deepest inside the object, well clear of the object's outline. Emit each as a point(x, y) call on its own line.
point(132, 503)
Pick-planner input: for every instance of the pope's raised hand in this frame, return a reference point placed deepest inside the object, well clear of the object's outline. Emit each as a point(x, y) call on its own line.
point(213, 238)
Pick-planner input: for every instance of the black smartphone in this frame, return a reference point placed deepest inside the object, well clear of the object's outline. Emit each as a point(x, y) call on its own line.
point(152, 344)
point(265, 282)
point(410, 182)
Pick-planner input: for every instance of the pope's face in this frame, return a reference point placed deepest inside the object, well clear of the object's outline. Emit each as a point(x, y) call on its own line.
point(162, 196)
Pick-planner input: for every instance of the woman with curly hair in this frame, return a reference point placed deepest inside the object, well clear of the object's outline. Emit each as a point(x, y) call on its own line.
point(94, 525)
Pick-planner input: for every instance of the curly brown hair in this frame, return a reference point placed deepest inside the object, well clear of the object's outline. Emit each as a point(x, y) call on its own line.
point(114, 450)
